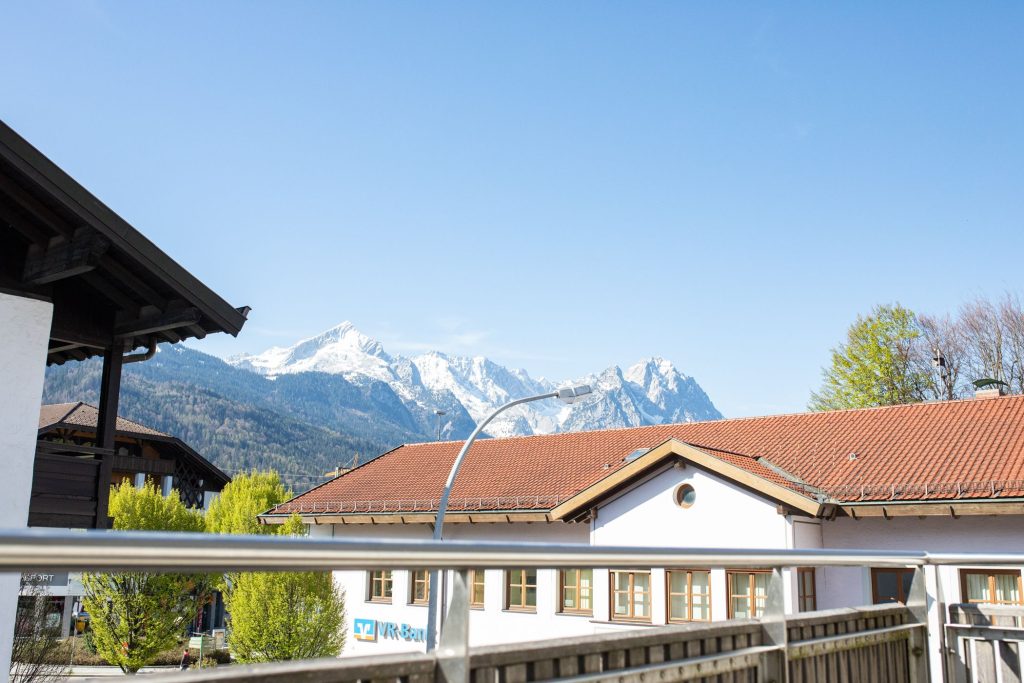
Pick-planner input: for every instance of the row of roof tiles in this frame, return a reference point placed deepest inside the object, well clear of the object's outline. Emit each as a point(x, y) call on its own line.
point(930, 451)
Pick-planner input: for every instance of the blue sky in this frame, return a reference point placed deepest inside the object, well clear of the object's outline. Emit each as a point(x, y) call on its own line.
point(560, 186)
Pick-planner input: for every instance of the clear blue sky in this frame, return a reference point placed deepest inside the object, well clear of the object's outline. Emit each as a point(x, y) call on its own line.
point(560, 186)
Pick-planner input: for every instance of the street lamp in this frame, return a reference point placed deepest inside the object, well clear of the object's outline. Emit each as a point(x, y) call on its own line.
point(568, 395)
point(440, 414)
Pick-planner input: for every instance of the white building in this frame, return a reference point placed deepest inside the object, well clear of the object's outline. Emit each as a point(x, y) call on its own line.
point(935, 477)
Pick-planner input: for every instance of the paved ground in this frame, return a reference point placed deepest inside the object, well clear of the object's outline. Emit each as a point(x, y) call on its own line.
point(97, 671)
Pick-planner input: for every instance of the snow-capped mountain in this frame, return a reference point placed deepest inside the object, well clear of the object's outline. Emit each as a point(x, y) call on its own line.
point(649, 392)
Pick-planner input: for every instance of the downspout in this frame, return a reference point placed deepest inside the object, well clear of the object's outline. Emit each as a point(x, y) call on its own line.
point(145, 355)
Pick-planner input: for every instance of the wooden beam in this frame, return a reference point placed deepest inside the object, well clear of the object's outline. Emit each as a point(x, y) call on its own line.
point(40, 211)
point(134, 283)
point(106, 427)
point(121, 300)
point(167, 320)
point(19, 223)
point(64, 258)
point(944, 508)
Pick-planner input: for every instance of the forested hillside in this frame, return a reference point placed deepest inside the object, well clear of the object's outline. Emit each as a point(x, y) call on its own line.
point(301, 425)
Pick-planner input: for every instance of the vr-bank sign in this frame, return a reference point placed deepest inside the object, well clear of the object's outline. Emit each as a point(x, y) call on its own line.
point(370, 630)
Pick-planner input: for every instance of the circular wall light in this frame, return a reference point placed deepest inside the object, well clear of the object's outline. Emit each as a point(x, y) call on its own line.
point(685, 496)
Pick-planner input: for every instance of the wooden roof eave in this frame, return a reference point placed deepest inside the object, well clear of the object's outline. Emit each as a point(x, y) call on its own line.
point(125, 241)
point(952, 507)
point(488, 517)
point(599, 491)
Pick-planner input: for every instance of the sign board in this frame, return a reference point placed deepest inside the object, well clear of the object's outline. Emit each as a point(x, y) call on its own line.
point(57, 580)
point(371, 630)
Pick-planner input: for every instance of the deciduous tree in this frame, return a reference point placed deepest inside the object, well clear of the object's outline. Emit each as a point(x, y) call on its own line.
point(285, 615)
point(135, 615)
point(876, 365)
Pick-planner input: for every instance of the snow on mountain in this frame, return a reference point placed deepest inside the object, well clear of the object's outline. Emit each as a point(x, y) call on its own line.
point(341, 350)
point(649, 392)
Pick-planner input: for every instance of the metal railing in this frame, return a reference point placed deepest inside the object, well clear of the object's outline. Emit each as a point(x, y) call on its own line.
point(889, 641)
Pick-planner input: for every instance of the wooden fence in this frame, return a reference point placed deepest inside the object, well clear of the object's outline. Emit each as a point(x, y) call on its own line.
point(983, 644)
point(879, 644)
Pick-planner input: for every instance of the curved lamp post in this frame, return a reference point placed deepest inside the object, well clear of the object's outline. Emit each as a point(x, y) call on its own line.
point(568, 395)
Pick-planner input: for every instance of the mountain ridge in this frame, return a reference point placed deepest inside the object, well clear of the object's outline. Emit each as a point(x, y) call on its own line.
point(651, 391)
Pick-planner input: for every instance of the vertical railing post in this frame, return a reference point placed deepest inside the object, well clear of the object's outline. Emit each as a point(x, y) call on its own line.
point(453, 651)
point(917, 644)
point(774, 665)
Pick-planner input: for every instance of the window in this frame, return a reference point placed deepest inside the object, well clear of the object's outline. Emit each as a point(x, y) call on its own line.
point(419, 587)
point(521, 589)
point(685, 496)
point(807, 589)
point(631, 596)
point(576, 591)
point(748, 592)
point(689, 595)
point(380, 585)
point(890, 585)
point(991, 586)
point(476, 588)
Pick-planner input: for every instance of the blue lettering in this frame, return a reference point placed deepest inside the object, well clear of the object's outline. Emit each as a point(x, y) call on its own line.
point(404, 632)
point(392, 631)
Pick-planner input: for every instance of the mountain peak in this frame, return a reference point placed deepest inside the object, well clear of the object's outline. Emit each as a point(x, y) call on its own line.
point(651, 391)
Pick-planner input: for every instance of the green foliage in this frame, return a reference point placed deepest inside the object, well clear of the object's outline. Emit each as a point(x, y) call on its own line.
point(282, 616)
point(876, 365)
point(249, 494)
point(147, 509)
point(135, 616)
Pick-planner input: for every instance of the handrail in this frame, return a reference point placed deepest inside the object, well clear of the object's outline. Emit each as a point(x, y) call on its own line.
point(60, 550)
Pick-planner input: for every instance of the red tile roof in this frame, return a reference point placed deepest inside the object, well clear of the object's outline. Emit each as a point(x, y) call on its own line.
point(928, 451)
point(86, 416)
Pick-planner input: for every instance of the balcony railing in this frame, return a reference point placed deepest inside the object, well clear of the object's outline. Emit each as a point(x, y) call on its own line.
point(877, 643)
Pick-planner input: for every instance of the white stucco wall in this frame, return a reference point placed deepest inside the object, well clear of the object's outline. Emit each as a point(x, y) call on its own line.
point(723, 515)
point(489, 625)
point(24, 337)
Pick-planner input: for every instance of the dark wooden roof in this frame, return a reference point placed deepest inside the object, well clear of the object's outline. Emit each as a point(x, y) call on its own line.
point(83, 417)
point(111, 287)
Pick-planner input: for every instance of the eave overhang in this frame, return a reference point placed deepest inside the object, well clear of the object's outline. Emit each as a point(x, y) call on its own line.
point(489, 517)
point(933, 508)
point(112, 288)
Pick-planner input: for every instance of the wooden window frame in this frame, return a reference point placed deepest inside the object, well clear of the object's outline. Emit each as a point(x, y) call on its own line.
point(991, 574)
point(801, 594)
point(899, 571)
point(751, 587)
point(562, 609)
point(689, 595)
point(385, 580)
point(415, 580)
point(631, 592)
point(473, 575)
point(523, 586)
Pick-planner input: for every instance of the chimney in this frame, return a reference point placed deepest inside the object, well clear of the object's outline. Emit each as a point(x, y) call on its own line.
point(994, 392)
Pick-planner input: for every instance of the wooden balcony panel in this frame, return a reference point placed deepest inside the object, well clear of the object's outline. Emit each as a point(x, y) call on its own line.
point(130, 463)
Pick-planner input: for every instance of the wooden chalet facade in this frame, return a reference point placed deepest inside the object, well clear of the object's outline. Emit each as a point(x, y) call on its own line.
point(111, 291)
point(66, 476)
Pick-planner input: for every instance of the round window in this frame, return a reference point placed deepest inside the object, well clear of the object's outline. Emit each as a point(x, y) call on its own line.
point(685, 496)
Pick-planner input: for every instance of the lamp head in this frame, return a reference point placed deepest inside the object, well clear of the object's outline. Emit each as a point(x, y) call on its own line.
point(570, 395)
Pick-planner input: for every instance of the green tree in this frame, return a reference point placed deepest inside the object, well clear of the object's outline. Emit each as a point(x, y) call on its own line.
point(135, 615)
point(235, 510)
point(285, 615)
point(878, 365)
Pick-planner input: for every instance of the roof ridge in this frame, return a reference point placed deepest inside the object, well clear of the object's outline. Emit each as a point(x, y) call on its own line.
point(748, 418)
point(77, 405)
